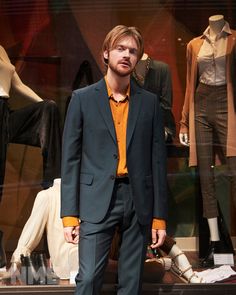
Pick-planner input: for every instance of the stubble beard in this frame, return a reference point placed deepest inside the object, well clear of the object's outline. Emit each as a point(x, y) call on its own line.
point(120, 73)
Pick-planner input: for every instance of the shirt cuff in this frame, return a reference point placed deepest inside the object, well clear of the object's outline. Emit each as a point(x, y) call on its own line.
point(158, 224)
point(70, 221)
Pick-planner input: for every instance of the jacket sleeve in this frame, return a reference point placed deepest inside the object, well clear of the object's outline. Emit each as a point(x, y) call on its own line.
point(184, 123)
point(71, 158)
point(159, 165)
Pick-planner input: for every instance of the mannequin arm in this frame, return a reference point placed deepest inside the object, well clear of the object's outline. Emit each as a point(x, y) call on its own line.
point(16, 84)
point(19, 87)
point(34, 227)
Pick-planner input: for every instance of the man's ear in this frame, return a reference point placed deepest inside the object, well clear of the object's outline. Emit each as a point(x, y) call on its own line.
point(105, 56)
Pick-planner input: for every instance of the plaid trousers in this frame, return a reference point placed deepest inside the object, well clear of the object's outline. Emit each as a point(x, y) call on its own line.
point(211, 136)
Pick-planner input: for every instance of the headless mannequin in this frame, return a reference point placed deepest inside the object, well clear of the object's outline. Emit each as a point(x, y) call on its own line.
point(216, 24)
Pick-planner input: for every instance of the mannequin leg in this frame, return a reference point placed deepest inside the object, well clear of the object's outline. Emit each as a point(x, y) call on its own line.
point(211, 134)
point(177, 262)
point(213, 227)
point(182, 266)
point(38, 125)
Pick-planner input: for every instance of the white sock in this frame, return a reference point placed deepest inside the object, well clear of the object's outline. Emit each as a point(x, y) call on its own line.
point(213, 227)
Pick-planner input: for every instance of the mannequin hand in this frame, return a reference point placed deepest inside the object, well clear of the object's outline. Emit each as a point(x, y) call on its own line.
point(71, 234)
point(166, 135)
point(158, 237)
point(183, 138)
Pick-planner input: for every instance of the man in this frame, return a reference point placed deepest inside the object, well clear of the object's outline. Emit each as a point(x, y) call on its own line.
point(114, 169)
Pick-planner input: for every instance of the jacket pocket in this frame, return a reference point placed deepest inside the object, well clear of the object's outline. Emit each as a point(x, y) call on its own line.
point(86, 178)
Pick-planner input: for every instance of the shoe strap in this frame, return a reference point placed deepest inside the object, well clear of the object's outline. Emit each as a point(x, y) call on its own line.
point(192, 276)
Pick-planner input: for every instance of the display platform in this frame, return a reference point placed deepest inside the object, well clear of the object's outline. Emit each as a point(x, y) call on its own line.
point(110, 289)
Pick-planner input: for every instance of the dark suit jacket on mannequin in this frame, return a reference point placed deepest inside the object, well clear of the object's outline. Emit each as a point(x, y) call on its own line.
point(158, 80)
point(90, 155)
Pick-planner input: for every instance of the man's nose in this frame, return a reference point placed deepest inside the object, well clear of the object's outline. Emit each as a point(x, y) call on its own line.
point(126, 52)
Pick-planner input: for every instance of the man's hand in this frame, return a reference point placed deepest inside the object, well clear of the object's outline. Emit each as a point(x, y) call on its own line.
point(183, 138)
point(158, 237)
point(71, 234)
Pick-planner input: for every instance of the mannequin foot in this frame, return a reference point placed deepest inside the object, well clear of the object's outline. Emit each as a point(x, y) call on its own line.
point(12, 271)
point(185, 273)
point(214, 247)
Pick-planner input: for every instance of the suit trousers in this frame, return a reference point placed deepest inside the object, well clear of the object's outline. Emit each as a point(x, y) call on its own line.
point(211, 136)
point(37, 125)
point(95, 242)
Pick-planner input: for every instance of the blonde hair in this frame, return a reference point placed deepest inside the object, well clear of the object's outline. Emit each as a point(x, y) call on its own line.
point(119, 32)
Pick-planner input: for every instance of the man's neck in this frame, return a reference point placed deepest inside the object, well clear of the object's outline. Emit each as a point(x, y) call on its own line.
point(117, 84)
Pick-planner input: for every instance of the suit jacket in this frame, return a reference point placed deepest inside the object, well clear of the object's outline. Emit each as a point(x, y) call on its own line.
point(187, 124)
point(90, 155)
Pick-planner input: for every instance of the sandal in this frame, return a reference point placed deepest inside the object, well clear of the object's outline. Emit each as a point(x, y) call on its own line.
point(181, 273)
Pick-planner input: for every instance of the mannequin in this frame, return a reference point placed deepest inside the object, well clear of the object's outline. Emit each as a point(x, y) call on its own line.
point(210, 133)
point(45, 215)
point(155, 76)
point(36, 124)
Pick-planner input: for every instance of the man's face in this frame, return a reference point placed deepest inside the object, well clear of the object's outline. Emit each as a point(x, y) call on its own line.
point(123, 57)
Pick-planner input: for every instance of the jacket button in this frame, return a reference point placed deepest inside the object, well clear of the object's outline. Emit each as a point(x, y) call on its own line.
point(112, 177)
point(115, 156)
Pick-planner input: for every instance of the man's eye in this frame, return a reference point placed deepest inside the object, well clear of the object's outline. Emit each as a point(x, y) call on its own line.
point(119, 48)
point(134, 51)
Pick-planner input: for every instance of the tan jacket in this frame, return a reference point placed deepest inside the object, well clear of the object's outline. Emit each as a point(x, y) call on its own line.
point(187, 121)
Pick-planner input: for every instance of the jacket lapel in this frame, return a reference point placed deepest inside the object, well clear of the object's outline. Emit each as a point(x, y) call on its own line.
point(104, 107)
point(134, 109)
point(105, 110)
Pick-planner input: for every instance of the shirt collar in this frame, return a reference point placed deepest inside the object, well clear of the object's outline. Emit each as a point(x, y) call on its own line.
point(109, 91)
point(225, 31)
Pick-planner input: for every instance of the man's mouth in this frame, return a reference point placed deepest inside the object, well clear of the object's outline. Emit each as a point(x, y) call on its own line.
point(125, 63)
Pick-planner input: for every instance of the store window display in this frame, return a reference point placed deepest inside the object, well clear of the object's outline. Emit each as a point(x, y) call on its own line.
point(36, 124)
point(45, 215)
point(208, 118)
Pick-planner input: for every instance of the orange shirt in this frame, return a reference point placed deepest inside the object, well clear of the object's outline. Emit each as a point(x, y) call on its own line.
point(119, 112)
